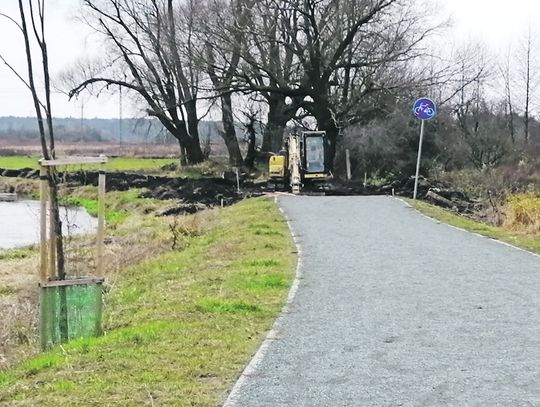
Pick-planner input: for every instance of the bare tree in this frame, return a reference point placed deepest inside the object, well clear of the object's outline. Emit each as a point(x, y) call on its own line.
point(152, 54)
point(481, 123)
point(527, 71)
point(506, 75)
point(32, 27)
point(321, 56)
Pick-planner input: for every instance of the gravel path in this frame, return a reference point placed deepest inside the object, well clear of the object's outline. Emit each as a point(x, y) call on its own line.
point(394, 309)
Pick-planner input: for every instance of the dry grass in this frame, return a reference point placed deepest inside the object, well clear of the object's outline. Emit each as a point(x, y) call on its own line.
point(108, 148)
point(18, 304)
point(526, 241)
point(24, 187)
point(523, 213)
point(139, 237)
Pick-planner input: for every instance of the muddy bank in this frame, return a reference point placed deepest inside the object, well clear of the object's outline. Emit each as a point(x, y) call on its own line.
point(191, 194)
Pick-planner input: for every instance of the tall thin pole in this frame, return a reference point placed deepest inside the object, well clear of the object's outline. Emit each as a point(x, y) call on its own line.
point(101, 223)
point(120, 114)
point(418, 159)
point(52, 234)
point(348, 164)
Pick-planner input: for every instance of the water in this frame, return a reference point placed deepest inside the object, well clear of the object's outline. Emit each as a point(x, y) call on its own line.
point(19, 223)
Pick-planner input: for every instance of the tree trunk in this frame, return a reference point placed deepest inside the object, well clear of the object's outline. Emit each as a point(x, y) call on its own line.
point(183, 156)
point(193, 152)
point(251, 154)
point(326, 122)
point(527, 87)
point(229, 132)
point(276, 123)
point(190, 148)
point(192, 120)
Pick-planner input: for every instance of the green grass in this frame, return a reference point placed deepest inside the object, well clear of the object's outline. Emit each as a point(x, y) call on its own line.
point(114, 164)
point(19, 253)
point(91, 206)
point(6, 290)
point(180, 327)
point(18, 162)
point(5, 378)
point(524, 241)
point(118, 204)
point(221, 306)
point(211, 167)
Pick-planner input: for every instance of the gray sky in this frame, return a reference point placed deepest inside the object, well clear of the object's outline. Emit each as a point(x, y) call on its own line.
point(498, 23)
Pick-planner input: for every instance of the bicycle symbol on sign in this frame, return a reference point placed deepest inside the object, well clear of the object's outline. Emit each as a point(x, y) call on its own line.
point(424, 109)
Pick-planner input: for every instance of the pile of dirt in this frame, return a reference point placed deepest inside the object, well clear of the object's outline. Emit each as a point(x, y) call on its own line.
point(193, 195)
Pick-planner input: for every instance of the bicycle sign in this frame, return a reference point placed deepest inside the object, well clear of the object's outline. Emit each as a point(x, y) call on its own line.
point(424, 109)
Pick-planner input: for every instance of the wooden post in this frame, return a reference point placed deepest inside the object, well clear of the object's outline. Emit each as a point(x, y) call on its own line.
point(101, 223)
point(348, 162)
point(52, 235)
point(237, 180)
point(43, 224)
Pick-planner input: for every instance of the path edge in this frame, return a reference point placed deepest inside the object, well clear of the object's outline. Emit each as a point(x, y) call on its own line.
point(467, 231)
point(271, 336)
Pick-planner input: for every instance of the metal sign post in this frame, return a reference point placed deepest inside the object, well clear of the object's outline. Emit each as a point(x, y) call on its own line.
point(418, 159)
point(424, 109)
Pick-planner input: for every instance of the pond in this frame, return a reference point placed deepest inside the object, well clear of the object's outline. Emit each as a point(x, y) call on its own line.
point(19, 223)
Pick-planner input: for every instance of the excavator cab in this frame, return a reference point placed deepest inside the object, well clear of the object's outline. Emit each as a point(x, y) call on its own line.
point(314, 157)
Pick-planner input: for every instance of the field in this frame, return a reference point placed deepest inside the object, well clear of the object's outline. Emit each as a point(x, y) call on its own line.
point(16, 147)
point(114, 164)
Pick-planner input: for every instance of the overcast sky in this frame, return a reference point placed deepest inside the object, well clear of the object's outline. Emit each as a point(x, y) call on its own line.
point(497, 23)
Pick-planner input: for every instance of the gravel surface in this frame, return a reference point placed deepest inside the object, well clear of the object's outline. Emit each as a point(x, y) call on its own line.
point(394, 309)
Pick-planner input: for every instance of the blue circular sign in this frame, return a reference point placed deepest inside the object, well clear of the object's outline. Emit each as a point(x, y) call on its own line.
point(424, 109)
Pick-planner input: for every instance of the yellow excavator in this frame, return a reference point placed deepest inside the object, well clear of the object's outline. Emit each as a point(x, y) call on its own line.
point(302, 162)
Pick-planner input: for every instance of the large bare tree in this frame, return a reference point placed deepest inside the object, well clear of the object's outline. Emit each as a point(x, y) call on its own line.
point(151, 52)
point(322, 56)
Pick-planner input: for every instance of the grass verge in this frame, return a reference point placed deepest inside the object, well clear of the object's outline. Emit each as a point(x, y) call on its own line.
point(179, 326)
point(530, 242)
point(211, 167)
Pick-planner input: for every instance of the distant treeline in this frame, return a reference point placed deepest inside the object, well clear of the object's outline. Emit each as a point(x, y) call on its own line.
point(92, 130)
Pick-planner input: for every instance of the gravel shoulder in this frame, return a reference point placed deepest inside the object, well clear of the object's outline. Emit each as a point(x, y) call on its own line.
point(394, 309)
